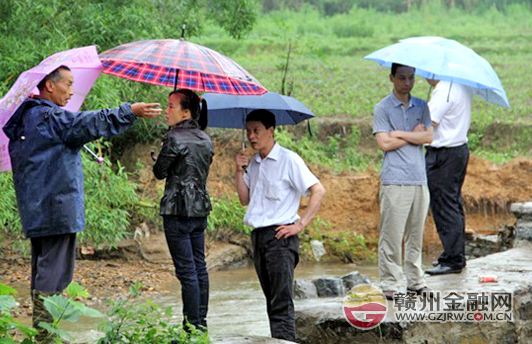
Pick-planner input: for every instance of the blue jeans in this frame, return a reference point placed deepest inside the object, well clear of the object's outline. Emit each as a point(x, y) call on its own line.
point(186, 240)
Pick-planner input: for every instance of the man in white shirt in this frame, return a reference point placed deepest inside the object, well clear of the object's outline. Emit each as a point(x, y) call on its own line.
point(446, 159)
point(271, 185)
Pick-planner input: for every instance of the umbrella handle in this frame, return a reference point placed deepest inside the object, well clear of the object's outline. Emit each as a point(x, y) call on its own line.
point(244, 150)
point(99, 159)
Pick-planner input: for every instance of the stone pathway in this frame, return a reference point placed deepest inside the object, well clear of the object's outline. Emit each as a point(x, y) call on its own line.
point(324, 321)
point(249, 340)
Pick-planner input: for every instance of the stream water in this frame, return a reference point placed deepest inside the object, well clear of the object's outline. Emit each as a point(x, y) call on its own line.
point(236, 304)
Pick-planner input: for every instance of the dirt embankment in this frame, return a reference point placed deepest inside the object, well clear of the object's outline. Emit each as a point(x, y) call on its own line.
point(351, 203)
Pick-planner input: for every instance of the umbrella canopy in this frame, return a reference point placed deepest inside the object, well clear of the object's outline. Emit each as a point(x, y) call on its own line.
point(227, 111)
point(177, 63)
point(85, 66)
point(445, 59)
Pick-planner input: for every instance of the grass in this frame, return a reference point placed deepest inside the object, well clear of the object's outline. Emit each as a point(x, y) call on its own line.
point(330, 76)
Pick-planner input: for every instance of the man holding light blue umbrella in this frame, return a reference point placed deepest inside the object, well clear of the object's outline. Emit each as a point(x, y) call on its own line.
point(446, 159)
point(457, 73)
point(445, 59)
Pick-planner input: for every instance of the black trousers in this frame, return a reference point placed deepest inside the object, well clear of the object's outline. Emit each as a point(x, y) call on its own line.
point(275, 261)
point(446, 170)
point(52, 262)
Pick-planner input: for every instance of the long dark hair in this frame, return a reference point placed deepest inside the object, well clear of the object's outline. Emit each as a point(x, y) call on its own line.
point(189, 100)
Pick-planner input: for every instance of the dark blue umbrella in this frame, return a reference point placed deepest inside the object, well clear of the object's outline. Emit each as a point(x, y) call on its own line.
point(229, 111)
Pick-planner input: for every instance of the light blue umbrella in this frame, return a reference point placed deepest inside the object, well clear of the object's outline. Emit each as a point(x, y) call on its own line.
point(445, 59)
point(230, 111)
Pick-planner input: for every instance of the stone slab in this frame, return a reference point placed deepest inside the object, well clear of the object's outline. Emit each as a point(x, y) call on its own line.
point(249, 340)
point(323, 322)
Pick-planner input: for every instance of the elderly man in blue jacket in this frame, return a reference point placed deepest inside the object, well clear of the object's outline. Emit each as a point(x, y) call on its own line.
point(45, 144)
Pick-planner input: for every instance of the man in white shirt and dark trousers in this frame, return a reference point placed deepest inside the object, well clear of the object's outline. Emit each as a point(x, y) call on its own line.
point(271, 184)
point(446, 159)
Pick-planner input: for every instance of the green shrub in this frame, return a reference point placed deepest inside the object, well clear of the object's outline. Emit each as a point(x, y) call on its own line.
point(61, 308)
point(110, 200)
point(227, 213)
point(348, 246)
point(133, 321)
point(340, 153)
point(9, 326)
point(9, 217)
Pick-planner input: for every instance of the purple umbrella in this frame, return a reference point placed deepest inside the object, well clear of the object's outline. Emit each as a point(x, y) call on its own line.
point(85, 66)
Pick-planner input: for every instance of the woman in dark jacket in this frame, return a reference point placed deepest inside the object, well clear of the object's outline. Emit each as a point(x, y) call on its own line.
point(184, 161)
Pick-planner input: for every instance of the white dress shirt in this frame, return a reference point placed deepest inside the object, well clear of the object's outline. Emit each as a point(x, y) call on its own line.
point(450, 107)
point(276, 184)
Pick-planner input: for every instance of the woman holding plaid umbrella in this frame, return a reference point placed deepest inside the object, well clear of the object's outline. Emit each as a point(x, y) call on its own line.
point(184, 161)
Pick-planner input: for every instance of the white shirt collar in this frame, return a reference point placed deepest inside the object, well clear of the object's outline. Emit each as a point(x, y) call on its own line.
point(274, 153)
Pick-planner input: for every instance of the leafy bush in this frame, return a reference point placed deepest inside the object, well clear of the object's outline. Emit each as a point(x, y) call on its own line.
point(333, 7)
point(227, 213)
point(339, 154)
point(9, 326)
point(67, 309)
point(130, 321)
point(9, 217)
point(134, 322)
point(60, 307)
point(346, 246)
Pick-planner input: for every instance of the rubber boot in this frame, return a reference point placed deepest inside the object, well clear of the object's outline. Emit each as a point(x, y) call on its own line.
point(41, 314)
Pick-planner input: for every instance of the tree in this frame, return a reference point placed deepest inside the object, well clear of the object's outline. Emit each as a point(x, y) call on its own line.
point(34, 29)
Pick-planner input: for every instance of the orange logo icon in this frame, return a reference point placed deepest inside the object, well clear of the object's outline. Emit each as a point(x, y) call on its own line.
point(365, 306)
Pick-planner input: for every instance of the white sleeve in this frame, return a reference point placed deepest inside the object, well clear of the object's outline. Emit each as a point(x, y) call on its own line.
point(246, 177)
point(300, 175)
point(438, 104)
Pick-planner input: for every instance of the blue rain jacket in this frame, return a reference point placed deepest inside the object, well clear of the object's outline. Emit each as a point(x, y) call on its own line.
point(45, 143)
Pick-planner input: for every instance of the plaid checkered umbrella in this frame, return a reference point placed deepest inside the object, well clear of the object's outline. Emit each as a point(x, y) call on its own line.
point(179, 64)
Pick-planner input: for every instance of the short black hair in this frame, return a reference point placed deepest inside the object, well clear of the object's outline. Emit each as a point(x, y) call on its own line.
point(54, 76)
point(264, 116)
point(396, 66)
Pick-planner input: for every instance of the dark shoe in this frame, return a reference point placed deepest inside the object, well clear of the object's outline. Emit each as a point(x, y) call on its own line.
point(389, 294)
point(435, 263)
point(425, 292)
point(443, 270)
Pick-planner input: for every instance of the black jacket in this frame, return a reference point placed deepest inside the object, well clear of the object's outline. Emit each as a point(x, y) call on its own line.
point(184, 161)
